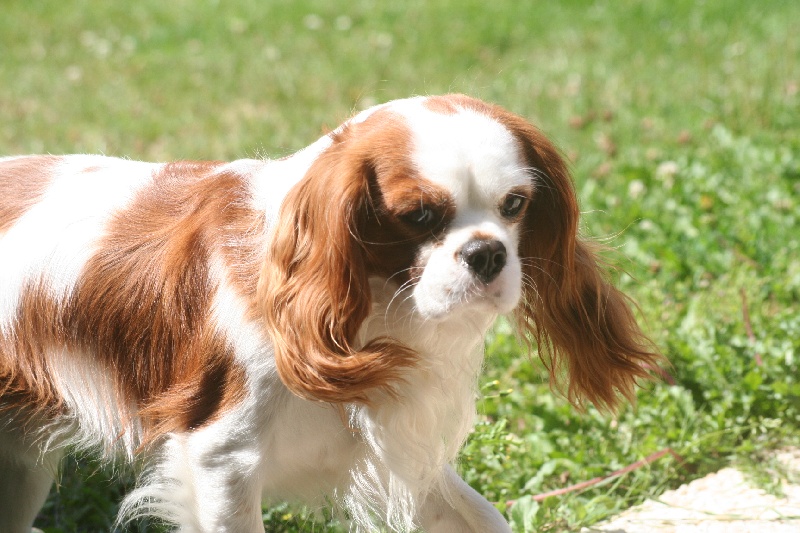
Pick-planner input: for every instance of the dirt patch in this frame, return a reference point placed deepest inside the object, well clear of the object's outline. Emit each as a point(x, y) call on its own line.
point(723, 502)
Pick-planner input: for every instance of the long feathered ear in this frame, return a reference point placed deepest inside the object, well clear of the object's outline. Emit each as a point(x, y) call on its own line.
point(314, 287)
point(581, 323)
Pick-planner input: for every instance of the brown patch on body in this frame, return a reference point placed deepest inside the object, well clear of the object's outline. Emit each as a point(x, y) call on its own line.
point(25, 378)
point(23, 181)
point(141, 309)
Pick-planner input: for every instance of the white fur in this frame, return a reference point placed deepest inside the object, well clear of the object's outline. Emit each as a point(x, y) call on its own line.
point(95, 410)
point(446, 284)
point(386, 463)
point(411, 437)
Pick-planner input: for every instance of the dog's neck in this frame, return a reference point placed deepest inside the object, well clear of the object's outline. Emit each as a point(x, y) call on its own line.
point(420, 428)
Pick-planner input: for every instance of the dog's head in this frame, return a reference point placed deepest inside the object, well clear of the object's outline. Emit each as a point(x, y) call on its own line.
point(465, 208)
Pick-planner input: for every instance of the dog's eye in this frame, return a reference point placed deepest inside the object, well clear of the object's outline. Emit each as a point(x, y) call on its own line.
point(424, 217)
point(513, 205)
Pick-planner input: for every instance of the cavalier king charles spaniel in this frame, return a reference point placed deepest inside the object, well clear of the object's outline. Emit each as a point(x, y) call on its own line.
point(308, 329)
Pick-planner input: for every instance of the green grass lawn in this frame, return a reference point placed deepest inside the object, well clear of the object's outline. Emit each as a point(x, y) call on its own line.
point(682, 122)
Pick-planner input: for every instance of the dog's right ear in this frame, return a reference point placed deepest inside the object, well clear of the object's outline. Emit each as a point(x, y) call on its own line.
point(581, 323)
point(314, 289)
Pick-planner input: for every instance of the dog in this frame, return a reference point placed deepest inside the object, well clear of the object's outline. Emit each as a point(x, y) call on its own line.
point(308, 329)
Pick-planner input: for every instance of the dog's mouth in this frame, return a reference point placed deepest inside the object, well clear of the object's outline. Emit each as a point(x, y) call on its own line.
point(465, 290)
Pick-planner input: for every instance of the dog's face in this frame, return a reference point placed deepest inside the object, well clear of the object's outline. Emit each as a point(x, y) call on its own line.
point(469, 258)
point(462, 207)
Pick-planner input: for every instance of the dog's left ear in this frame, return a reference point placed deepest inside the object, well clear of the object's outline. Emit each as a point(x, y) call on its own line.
point(581, 323)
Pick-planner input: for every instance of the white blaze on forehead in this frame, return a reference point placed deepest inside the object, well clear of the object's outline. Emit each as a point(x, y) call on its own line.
point(472, 155)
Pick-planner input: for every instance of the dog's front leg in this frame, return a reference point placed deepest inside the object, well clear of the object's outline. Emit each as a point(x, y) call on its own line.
point(202, 482)
point(462, 511)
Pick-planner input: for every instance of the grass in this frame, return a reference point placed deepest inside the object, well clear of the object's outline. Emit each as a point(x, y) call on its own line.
point(681, 119)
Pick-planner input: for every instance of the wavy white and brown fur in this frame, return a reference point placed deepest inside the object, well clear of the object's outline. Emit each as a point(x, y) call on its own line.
point(306, 329)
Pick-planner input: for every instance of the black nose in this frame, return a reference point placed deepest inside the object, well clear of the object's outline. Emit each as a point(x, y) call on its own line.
point(484, 258)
